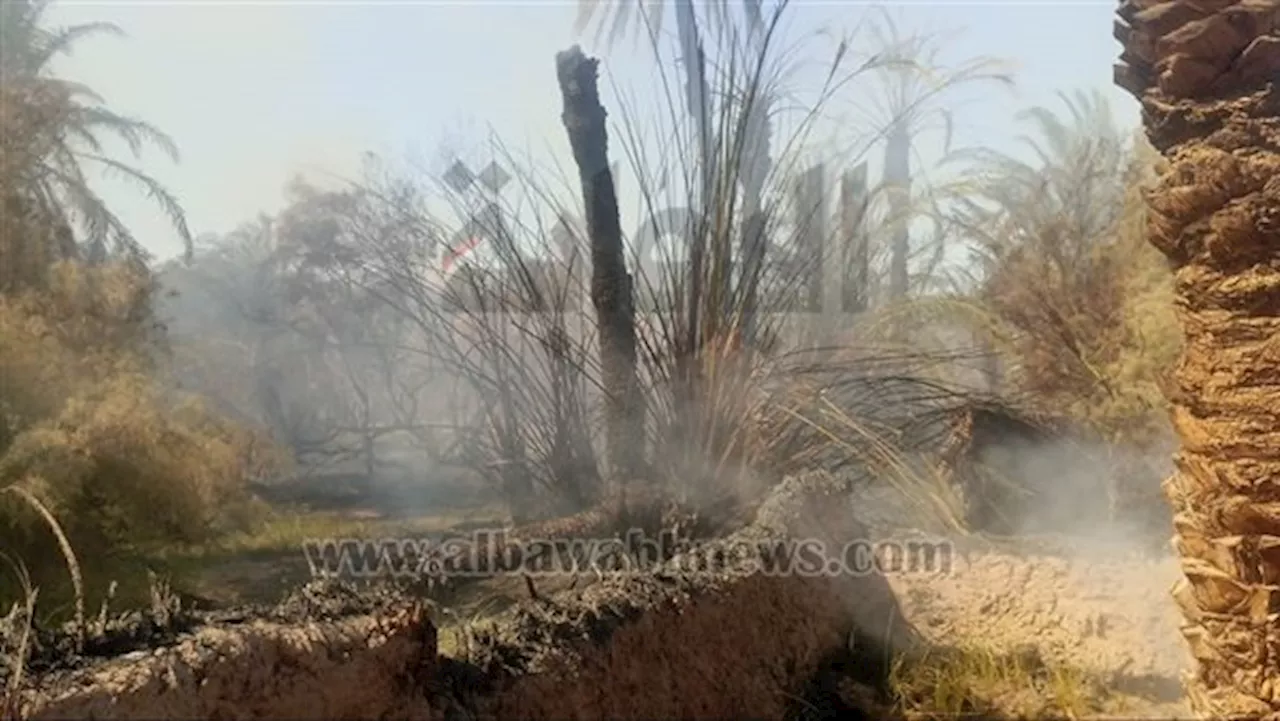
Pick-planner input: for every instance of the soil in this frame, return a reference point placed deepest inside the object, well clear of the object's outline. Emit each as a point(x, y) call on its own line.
point(1112, 617)
point(1100, 605)
point(54, 650)
point(661, 644)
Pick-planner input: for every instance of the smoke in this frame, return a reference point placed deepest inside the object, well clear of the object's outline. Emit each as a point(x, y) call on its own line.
point(1102, 497)
point(1084, 572)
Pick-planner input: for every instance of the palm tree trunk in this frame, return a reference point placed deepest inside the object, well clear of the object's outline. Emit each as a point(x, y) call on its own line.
point(1206, 74)
point(897, 172)
point(855, 250)
point(611, 293)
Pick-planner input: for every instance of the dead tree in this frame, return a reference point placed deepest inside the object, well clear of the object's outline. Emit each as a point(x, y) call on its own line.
point(611, 292)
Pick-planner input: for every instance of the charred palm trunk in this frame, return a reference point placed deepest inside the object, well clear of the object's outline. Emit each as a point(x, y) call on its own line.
point(1206, 74)
point(584, 120)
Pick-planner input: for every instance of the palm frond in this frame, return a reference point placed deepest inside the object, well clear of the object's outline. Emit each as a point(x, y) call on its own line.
point(616, 17)
point(66, 188)
point(63, 128)
point(136, 133)
point(60, 41)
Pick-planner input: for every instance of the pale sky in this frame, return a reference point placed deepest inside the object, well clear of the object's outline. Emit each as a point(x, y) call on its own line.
point(254, 92)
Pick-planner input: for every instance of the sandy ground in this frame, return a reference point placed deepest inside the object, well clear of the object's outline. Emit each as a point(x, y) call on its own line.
point(1111, 616)
point(1099, 604)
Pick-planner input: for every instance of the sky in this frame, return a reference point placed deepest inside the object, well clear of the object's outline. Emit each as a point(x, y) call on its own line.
point(255, 93)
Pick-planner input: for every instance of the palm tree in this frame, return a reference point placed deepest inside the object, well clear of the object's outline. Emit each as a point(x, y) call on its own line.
point(1040, 232)
point(1082, 165)
point(53, 130)
point(913, 79)
point(1206, 74)
point(751, 149)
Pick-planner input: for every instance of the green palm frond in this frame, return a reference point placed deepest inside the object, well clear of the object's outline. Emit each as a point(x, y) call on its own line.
point(27, 48)
point(66, 189)
point(137, 134)
point(615, 16)
point(60, 42)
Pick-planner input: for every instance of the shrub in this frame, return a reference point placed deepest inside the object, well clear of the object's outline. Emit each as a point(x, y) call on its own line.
point(85, 425)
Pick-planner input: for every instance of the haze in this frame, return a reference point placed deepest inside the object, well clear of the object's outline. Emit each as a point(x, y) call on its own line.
point(255, 93)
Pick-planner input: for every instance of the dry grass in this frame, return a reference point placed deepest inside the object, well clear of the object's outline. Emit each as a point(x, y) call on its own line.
point(975, 682)
point(284, 530)
point(17, 624)
point(68, 555)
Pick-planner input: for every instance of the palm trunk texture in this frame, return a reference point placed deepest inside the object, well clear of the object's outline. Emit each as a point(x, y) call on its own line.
point(1206, 73)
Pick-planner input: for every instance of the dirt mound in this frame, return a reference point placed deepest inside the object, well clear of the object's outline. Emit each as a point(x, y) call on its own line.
point(707, 645)
point(327, 648)
point(661, 644)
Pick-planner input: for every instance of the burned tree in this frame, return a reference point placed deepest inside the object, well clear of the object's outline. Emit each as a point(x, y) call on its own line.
point(611, 293)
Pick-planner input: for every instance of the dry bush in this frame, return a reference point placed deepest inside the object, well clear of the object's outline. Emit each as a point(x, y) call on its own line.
point(725, 416)
point(1060, 283)
point(1078, 298)
point(119, 460)
point(1097, 340)
point(1070, 305)
point(85, 431)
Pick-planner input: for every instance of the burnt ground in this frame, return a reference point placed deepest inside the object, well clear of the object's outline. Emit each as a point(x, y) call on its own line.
point(58, 648)
point(655, 644)
point(1098, 608)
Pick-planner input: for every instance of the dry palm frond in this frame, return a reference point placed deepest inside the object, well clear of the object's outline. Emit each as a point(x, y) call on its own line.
point(64, 545)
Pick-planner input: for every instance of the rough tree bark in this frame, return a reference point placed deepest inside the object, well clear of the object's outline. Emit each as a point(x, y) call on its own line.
point(611, 293)
point(1206, 73)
